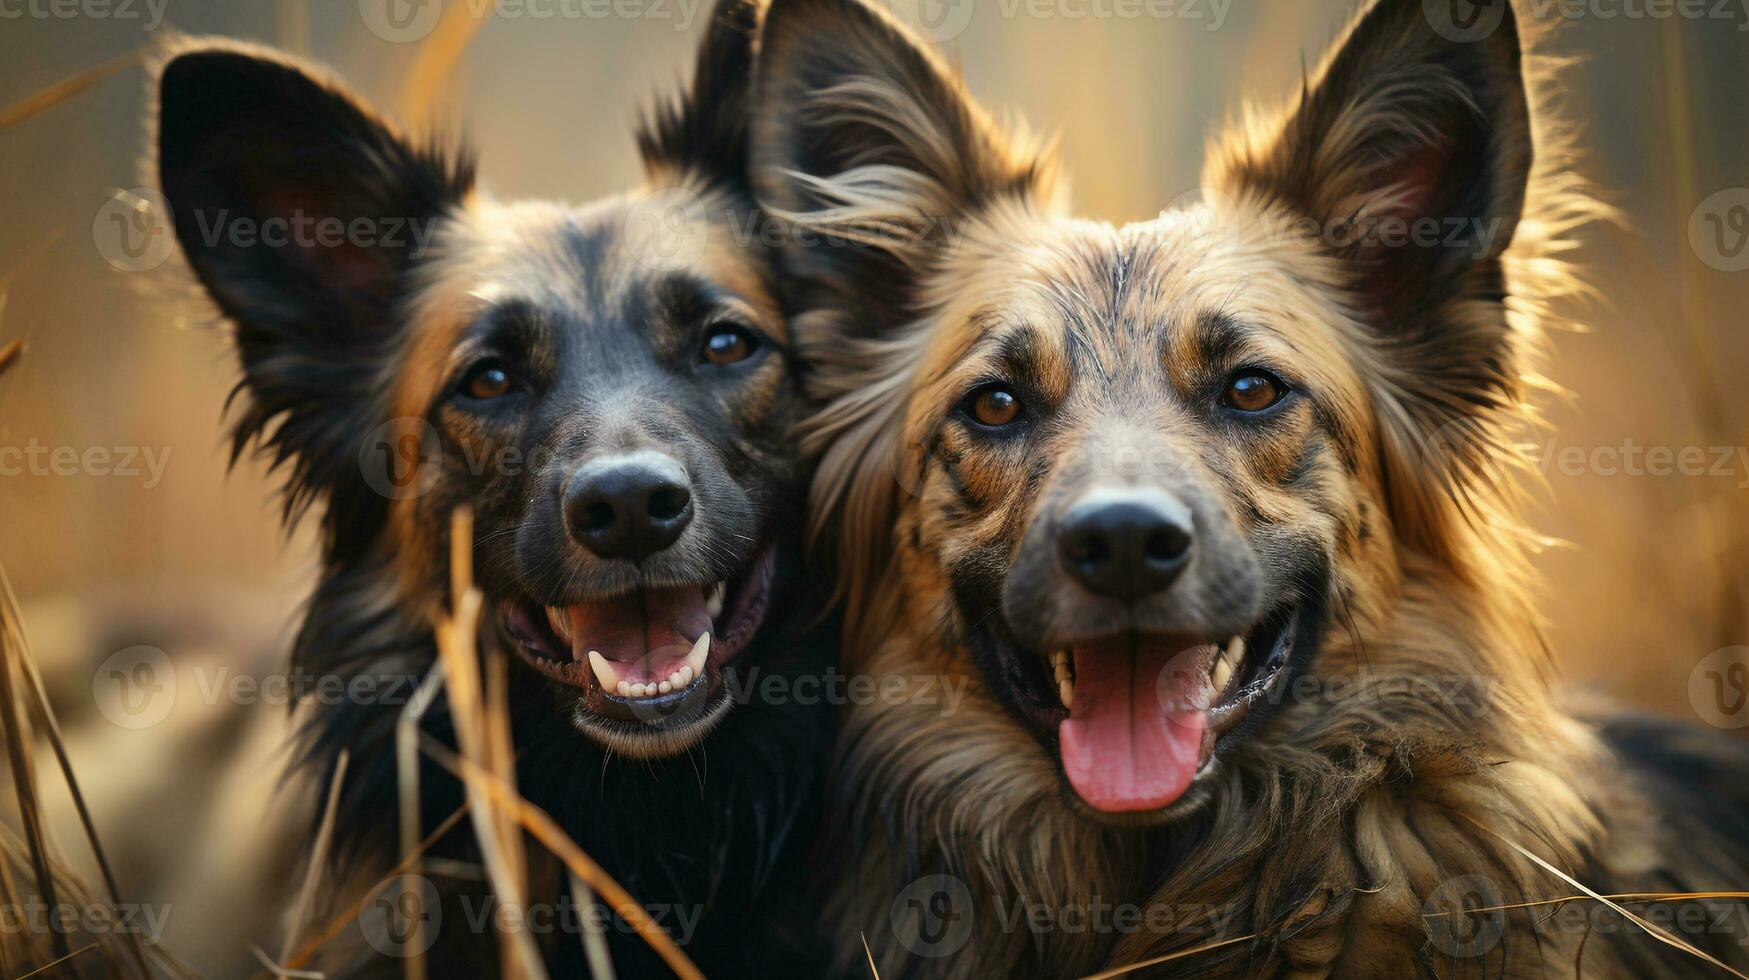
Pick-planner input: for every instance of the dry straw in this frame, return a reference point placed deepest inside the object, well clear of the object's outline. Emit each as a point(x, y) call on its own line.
point(29, 869)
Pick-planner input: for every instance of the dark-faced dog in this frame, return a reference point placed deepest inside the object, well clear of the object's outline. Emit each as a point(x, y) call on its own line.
point(1215, 513)
point(610, 390)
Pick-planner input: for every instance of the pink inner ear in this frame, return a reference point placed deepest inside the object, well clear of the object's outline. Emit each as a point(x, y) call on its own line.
point(1420, 173)
point(1399, 270)
point(325, 242)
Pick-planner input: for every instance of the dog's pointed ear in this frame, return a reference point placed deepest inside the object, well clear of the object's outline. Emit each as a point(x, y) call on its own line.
point(872, 164)
point(704, 130)
point(302, 215)
point(1410, 153)
point(868, 150)
point(1411, 127)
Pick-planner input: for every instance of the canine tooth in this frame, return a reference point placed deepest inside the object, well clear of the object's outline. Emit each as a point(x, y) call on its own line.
point(701, 651)
point(713, 604)
point(1066, 691)
point(1223, 673)
point(1236, 650)
point(560, 621)
point(604, 672)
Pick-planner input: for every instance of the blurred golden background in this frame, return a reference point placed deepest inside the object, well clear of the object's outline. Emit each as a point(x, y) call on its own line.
point(189, 558)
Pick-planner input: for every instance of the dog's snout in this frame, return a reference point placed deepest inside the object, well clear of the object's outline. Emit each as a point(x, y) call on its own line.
point(629, 507)
point(1126, 545)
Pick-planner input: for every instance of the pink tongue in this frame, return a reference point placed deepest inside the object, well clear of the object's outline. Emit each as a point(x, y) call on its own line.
point(1133, 739)
point(652, 630)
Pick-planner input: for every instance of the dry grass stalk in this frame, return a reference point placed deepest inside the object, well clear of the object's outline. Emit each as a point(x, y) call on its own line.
point(1652, 929)
point(12, 350)
point(430, 81)
point(407, 774)
point(16, 729)
point(12, 625)
point(487, 768)
point(318, 857)
point(546, 830)
point(293, 22)
point(40, 102)
point(46, 967)
point(1632, 898)
point(594, 943)
point(350, 912)
point(477, 715)
point(21, 686)
point(1169, 957)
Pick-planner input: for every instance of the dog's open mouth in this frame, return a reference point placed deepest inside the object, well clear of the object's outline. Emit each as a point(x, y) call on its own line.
point(1141, 715)
point(653, 657)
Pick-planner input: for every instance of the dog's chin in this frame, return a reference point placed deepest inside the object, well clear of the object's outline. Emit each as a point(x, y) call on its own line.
point(641, 672)
point(1140, 723)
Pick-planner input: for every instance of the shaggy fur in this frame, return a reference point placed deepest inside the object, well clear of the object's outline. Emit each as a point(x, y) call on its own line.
point(353, 350)
point(1417, 755)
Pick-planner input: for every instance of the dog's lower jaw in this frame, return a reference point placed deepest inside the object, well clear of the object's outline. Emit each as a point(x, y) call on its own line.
point(658, 745)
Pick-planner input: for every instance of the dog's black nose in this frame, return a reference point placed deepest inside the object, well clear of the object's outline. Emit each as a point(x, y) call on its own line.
point(1126, 545)
point(629, 507)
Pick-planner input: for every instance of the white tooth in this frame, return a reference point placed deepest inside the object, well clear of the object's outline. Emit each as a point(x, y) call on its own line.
point(1223, 673)
point(665, 687)
point(685, 675)
point(605, 672)
point(701, 651)
point(637, 690)
point(713, 604)
point(624, 689)
point(1066, 691)
point(560, 621)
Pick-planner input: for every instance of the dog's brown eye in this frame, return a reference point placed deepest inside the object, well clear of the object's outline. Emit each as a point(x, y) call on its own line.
point(729, 345)
point(995, 407)
point(1253, 391)
point(489, 380)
